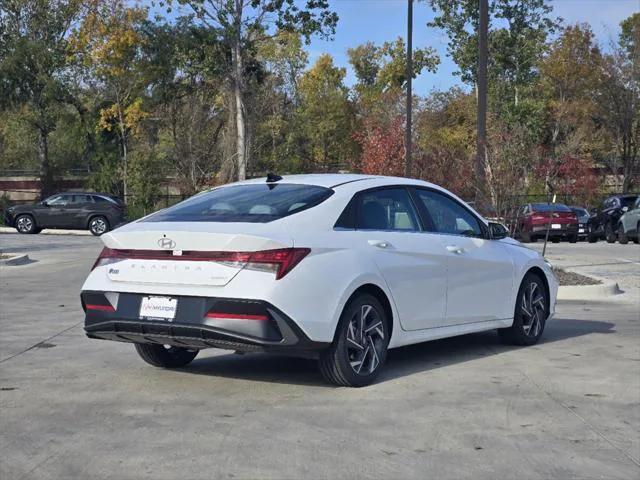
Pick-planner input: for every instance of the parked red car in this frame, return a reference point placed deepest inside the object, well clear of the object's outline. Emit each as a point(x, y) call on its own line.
point(533, 219)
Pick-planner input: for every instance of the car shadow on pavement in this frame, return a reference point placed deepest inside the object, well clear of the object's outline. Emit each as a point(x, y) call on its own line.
point(401, 361)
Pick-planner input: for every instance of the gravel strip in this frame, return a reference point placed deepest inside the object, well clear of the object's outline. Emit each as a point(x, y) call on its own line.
point(571, 278)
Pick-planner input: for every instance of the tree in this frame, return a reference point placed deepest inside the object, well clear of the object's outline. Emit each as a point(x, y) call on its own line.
point(518, 30)
point(108, 43)
point(33, 63)
point(325, 115)
point(619, 102)
point(241, 25)
point(382, 147)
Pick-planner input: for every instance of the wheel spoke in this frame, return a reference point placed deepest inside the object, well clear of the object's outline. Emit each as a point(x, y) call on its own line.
point(355, 344)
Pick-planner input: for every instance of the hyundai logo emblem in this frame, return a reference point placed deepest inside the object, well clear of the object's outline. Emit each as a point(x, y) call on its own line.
point(166, 243)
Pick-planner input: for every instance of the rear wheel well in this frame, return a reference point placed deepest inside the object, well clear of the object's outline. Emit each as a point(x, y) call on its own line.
point(94, 215)
point(379, 294)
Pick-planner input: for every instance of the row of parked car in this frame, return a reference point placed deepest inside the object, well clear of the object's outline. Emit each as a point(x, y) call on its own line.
point(618, 218)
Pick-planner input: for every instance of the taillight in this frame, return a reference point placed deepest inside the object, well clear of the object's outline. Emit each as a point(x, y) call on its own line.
point(280, 261)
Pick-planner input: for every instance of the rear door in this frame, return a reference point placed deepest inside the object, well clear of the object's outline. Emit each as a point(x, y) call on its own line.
point(480, 272)
point(413, 264)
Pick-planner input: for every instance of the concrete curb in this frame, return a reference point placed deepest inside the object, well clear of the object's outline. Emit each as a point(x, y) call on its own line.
point(606, 289)
point(17, 260)
point(49, 231)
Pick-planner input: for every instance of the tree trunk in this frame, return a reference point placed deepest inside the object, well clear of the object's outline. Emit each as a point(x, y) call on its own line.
point(238, 93)
point(46, 179)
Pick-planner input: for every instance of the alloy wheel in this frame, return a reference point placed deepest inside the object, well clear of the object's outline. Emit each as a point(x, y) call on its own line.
point(365, 340)
point(24, 224)
point(98, 226)
point(533, 310)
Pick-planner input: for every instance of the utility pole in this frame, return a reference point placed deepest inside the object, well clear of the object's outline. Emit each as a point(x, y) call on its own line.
point(481, 146)
point(407, 142)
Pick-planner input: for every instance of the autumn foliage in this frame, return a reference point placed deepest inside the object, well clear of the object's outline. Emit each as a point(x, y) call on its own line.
point(382, 147)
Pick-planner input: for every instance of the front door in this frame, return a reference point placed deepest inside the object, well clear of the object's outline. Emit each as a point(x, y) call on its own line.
point(479, 271)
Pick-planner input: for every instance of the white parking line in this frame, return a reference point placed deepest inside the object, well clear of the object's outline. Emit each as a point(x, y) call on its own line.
point(626, 260)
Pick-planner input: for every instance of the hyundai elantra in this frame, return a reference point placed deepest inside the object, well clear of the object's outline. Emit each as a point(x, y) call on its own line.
point(337, 267)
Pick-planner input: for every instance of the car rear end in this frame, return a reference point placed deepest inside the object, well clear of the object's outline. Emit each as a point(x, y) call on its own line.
point(213, 271)
point(561, 222)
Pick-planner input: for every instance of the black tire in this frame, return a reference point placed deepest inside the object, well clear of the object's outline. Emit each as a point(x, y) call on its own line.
point(99, 225)
point(623, 239)
point(520, 333)
point(573, 239)
point(26, 224)
point(165, 356)
point(591, 238)
point(525, 237)
point(555, 240)
point(636, 239)
point(609, 233)
point(339, 364)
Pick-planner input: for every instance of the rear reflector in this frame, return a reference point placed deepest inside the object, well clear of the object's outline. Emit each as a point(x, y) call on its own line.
point(102, 308)
point(279, 261)
point(236, 316)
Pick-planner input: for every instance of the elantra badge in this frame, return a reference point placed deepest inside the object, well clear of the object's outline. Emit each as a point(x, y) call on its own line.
point(166, 243)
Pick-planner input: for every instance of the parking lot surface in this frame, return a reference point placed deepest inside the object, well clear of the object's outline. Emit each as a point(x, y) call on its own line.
point(466, 407)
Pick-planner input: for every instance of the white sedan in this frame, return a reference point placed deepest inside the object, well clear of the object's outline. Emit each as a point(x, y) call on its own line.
point(337, 267)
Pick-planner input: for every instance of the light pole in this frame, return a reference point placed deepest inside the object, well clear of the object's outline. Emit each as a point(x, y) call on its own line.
point(407, 142)
point(481, 145)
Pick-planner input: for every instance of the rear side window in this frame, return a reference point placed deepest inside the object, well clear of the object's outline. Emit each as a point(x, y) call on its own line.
point(388, 209)
point(252, 203)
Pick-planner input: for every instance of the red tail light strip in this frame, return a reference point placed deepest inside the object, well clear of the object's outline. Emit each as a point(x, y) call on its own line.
point(283, 258)
point(236, 316)
point(102, 308)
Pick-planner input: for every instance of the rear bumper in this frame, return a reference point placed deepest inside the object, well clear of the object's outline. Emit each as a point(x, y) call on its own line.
point(191, 328)
point(566, 230)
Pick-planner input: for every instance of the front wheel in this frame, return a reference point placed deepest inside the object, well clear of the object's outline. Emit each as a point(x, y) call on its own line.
point(623, 239)
point(98, 225)
point(165, 356)
point(530, 314)
point(26, 224)
point(359, 349)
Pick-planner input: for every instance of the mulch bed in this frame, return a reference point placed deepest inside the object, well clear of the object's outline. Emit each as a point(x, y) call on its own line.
point(570, 278)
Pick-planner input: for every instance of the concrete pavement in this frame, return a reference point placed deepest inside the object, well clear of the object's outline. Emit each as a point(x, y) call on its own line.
point(466, 407)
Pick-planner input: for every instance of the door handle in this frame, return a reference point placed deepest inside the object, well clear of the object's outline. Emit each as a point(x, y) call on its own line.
point(455, 249)
point(379, 243)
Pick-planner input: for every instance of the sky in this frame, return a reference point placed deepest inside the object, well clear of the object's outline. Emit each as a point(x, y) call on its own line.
point(382, 20)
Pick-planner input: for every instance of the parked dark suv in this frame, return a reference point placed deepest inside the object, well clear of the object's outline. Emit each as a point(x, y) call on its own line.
point(604, 221)
point(96, 212)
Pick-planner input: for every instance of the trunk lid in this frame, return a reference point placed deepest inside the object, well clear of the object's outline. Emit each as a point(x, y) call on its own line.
point(180, 242)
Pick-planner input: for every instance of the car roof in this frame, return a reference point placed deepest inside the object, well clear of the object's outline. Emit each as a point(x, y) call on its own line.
point(333, 180)
point(86, 193)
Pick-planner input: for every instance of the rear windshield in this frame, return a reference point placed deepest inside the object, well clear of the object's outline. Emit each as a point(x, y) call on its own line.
point(628, 201)
point(580, 211)
point(253, 203)
point(552, 207)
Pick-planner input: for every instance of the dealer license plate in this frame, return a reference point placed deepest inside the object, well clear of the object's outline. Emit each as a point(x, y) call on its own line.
point(158, 307)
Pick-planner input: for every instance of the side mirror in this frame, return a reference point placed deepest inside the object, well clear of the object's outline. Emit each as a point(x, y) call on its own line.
point(44, 204)
point(498, 231)
point(624, 209)
point(593, 211)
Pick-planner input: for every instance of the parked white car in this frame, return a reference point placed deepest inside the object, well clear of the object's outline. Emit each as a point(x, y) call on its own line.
point(339, 267)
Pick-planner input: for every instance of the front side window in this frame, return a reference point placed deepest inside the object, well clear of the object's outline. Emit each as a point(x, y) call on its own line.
point(448, 216)
point(58, 200)
point(387, 209)
point(249, 203)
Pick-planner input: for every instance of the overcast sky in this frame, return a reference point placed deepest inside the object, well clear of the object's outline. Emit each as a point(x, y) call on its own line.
point(381, 20)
